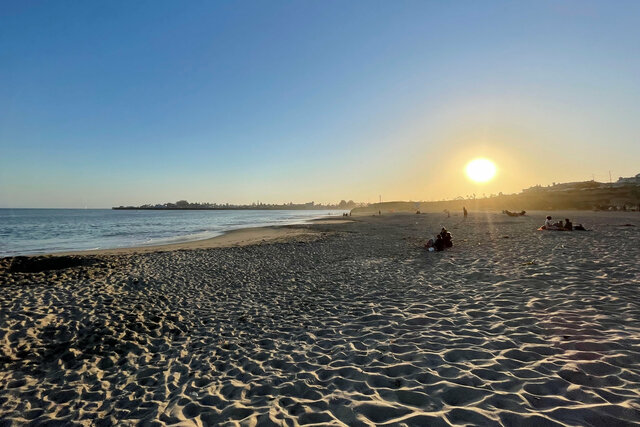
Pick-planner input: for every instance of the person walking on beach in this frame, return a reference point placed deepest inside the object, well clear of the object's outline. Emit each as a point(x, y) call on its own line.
point(464, 211)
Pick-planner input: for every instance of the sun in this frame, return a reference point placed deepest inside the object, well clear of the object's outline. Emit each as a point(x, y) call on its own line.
point(481, 170)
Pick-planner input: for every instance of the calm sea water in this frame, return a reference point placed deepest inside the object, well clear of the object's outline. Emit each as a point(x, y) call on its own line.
point(35, 231)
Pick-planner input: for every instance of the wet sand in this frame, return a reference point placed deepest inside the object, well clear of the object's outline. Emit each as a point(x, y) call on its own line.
point(240, 237)
point(334, 322)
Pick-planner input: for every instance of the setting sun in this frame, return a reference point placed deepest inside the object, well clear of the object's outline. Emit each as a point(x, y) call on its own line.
point(481, 170)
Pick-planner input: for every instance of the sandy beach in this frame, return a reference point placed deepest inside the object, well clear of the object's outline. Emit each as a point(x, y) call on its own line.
point(333, 323)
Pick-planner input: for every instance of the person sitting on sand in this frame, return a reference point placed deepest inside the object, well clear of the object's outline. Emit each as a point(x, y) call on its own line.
point(434, 245)
point(568, 225)
point(429, 245)
point(439, 243)
point(448, 242)
point(579, 227)
point(548, 223)
point(442, 241)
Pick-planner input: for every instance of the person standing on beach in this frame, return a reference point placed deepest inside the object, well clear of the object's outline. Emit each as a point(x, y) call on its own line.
point(464, 211)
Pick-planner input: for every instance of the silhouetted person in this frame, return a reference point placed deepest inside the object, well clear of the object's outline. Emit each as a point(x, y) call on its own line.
point(568, 225)
point(464, 211)
point(445, 236)
point(438, 245)
point(579, 227)
point(448, 242)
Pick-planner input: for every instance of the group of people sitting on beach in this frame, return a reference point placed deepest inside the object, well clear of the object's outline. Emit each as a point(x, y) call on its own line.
point(442, 241)
point(559, 226)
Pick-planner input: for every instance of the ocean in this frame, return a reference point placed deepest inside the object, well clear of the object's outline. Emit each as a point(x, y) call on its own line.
point(38, 231)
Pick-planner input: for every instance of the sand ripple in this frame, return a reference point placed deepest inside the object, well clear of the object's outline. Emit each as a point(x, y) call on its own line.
point(362, 327)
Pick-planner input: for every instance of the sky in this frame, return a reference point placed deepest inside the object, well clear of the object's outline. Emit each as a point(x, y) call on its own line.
point(124, 103)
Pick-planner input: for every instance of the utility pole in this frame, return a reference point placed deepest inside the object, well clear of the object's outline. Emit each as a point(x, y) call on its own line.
point(609, 177)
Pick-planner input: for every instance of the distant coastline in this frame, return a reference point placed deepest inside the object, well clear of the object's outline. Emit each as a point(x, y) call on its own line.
point(587, 195)
point(185, 205)
point(238, 208)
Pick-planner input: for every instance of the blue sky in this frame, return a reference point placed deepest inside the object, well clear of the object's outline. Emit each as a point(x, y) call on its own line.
point(109, 103)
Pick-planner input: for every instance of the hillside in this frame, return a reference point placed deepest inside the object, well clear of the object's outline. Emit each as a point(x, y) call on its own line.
point(588, 195)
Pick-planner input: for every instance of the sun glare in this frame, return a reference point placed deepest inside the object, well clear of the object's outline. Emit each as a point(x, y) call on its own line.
point(481, 170)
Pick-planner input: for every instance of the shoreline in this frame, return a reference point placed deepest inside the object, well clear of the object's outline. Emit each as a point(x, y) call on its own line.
point(252, 235)
point(245, 236)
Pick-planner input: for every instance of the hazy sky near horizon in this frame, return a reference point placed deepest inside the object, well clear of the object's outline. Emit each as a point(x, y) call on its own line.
point(110, 103)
